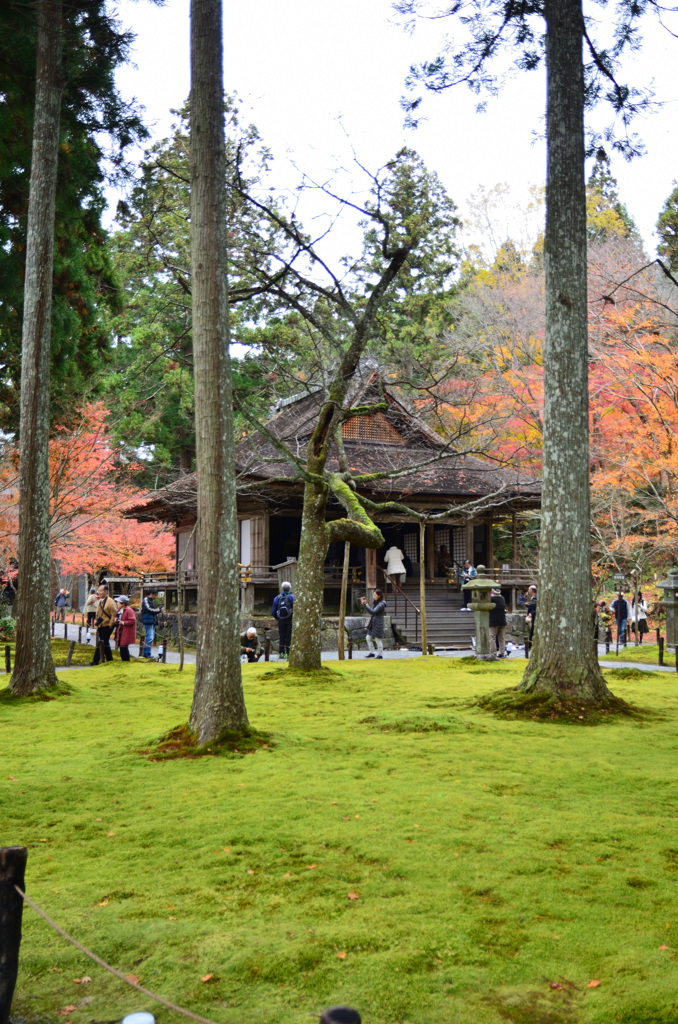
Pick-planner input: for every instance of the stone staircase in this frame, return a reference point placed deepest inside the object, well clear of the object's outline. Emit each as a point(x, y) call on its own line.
point(447, 626)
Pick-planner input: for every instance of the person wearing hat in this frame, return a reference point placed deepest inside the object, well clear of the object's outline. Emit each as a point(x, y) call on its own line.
point(283, 608)
point(249, 643)
point(126, 629)
point(149, 614)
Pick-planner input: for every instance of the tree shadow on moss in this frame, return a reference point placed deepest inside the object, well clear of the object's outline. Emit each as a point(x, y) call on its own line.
point(542, 706)
point(180, 742)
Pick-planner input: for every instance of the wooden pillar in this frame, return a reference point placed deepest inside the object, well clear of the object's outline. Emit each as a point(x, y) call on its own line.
point(430, 552)
point(370, 569)
point(342, 600)
point(422, 590)
point(12, 869)
point(514, 541)
point(490, 544)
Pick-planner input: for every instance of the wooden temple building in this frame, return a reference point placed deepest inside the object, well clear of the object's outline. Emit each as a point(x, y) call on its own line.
point(425, 474)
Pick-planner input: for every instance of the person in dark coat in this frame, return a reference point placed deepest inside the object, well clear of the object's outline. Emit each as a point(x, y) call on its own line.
point(249, 644)
point(620, 607)
point(498, 624)
point(149, 614)
point(531, 609)
point(126, 629)
point(61, 600)
point(283, 609)
point(375, 627)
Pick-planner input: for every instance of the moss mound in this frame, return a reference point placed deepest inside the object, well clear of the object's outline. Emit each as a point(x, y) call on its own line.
point(7, 698)
point(542, 706)
point(181, 743)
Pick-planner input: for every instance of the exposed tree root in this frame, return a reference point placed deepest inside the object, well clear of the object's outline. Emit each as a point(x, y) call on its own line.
point(544, 707)
point(181, 742)
point(8, 697)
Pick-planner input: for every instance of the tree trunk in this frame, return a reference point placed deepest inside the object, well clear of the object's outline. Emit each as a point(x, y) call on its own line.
point(341, 629)
point(564, 660)
point(309, 588)
point(422, 586)
point(33, 666)
point(218, 701)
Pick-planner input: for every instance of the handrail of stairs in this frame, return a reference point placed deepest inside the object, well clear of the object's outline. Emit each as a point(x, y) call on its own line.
point(397, 590)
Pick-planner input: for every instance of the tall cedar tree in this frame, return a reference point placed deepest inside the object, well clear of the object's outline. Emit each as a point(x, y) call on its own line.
point(563, 661)
point(33, 667)
point(95, 127)
point(218, 701)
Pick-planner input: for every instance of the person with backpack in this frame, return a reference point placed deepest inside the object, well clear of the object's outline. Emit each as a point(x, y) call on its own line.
point(283, 609)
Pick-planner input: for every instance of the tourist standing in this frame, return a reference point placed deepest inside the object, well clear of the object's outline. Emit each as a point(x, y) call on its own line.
point(395, 567)
point(498, 624)
point(106, 614)
point(149, 615)
point(638, 611)
point(282, 611)
point(126, 630)
point(531, 610)
point(620, 607)
point(468, 573)
point(90, 607)
point(375, 626)
point(61, 601)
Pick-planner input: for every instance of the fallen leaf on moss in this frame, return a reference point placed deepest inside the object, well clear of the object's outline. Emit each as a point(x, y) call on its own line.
point(353, 895)
point(207, 977)
point(341, 956)
point(594, 984)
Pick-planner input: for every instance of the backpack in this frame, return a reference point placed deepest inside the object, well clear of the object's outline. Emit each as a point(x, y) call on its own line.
point(284, 607)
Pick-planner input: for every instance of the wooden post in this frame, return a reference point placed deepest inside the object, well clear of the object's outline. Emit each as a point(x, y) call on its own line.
point(65, 630)
point(350, 648)
point(267, 649)
point(661, 650)
point(164, 653)
point(422, 583)
point(514, 541)
point(8, 658)
point(342, 600)
point(53, 626)
point(69, 656)
point(12, 870)
point(79, 634)
point(340, 1015)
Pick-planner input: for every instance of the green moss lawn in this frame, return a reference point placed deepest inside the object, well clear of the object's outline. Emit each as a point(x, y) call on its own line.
point(647, 653)
point(393, 847)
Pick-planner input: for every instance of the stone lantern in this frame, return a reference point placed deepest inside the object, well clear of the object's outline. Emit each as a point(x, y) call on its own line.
point(670, 602)
point(481, 603)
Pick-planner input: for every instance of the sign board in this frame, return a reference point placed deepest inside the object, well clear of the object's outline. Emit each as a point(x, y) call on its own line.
point(619, 576)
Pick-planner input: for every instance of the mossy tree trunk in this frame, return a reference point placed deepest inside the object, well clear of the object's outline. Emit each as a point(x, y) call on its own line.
point(564, 659)
point(218, 701)
point(33, 667)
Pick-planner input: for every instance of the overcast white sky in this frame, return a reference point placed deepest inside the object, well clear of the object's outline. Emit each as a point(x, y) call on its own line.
point(310, 72)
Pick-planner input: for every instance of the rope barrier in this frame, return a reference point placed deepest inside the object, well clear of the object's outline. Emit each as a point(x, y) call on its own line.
point(112, 970)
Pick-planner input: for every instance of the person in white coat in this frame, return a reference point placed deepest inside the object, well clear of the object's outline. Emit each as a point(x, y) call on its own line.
point(393, 560)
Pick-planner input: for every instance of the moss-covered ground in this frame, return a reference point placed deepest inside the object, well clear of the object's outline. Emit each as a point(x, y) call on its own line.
point(647, 653)
point(393, 847)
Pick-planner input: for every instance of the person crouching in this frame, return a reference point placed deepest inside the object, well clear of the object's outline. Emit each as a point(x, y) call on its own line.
point(126, 629)
point(375, 626)
point(249, 644)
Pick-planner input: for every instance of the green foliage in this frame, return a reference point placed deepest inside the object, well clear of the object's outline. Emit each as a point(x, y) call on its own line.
point(667, 229)
point(150, 389)
point(416, 873)
point(84, 282)
point(606, 216)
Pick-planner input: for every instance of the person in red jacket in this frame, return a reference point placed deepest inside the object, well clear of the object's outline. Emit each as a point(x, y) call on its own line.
point(126, 630)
